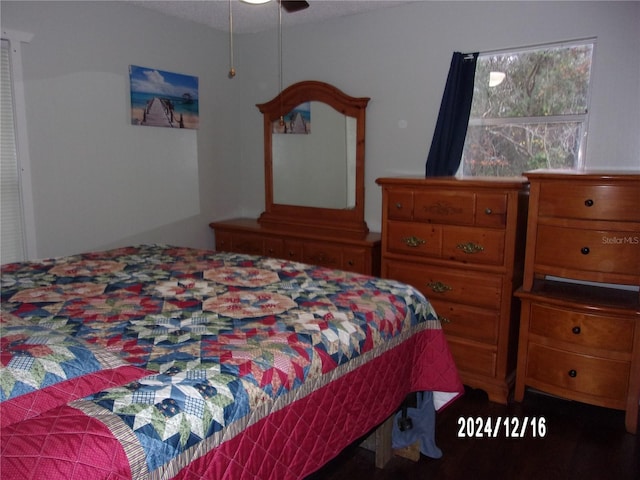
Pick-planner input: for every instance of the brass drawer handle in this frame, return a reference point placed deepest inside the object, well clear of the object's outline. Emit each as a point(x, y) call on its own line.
point(470, 247)
point(413, 241)
point(439, 287)
point(573, 373)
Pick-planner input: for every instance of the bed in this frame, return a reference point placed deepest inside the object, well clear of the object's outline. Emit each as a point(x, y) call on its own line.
point(158, 362)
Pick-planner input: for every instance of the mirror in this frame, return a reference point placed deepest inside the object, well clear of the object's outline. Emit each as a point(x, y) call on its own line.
point(314, 138)
point(314, 162)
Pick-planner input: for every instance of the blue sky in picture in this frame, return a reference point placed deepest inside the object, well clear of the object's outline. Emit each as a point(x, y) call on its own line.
point(159, 82)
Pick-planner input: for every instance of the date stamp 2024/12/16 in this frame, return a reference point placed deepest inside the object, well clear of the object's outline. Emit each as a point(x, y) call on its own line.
point(507, 427)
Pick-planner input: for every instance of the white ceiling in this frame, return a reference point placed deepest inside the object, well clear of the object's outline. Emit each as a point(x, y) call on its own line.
point(255, 18)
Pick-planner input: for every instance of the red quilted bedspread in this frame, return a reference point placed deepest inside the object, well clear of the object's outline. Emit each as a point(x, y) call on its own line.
point(164, 362)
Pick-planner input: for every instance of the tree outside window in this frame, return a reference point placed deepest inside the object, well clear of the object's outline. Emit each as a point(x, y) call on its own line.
point(529, 111)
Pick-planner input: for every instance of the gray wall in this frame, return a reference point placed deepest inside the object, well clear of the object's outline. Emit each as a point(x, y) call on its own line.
point(99, 181)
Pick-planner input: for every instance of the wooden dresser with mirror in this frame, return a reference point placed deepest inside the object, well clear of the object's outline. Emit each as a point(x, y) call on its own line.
point(314, 139)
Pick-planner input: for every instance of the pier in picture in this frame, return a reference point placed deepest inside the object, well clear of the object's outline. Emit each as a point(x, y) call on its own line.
point(163, 99)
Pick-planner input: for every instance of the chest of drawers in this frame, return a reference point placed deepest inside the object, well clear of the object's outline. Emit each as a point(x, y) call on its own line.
point(354, 253)
point(580, 332)
point(461, 242)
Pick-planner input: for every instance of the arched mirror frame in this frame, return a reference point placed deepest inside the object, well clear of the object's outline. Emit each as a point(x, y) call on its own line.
point(343, 220)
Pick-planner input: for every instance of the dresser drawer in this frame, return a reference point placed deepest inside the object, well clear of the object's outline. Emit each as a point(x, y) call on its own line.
point(589, 250)
point(413, 238)
point(473, 245)
point(273, 247)
point(223, 241)
point(354, 259)
point(579, 373)
point(464, 321)
point(491, 210)
point(449, 284)
point(247, 243)
point(323, 255)
point(292, 250)
point(441, 206)
point(461, 244)
point(400, 205)
point(590, 201)
point(332, 256)
point(582, 329)
point(334, 249)
point(473, 358)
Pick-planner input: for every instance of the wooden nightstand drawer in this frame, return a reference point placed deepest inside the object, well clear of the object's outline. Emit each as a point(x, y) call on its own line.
point(582, 329)
point(464, 321)
point(441, 206)
point(590, 201)
point(450, 284)
point(413, 238)
point(612, 252)
point(574, 372)
point(473, 245)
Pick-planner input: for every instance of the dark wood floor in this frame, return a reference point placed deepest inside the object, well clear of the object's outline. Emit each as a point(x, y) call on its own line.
point(582, 442)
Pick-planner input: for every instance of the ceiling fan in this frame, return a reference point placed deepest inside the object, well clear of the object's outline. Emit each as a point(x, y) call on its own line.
point(291, 6)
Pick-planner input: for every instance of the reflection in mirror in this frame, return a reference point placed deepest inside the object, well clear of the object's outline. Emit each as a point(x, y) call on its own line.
point(314, 158)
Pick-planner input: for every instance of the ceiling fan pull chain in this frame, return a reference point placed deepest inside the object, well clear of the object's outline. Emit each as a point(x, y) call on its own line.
point(232, 70)
point(280, 80)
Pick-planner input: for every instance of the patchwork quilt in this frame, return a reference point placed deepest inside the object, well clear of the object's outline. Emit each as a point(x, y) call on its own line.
point(156, 362)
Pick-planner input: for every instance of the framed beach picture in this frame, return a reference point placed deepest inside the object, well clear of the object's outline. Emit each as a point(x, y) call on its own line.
point(163, 99)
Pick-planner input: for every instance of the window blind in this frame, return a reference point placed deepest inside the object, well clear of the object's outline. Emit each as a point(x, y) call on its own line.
point(12, 242)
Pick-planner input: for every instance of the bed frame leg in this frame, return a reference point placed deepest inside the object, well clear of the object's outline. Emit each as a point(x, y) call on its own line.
point(383, 442)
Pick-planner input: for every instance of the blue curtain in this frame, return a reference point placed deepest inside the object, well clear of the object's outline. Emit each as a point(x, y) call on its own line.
point(448, 139)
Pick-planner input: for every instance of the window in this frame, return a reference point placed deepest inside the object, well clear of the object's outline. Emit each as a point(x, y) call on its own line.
point(529, 110)
point(11, 240)
point(17, 241)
